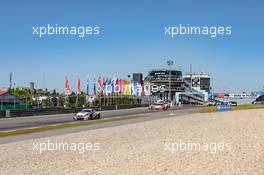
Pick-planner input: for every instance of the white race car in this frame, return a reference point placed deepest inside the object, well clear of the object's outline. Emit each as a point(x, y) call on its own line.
point(87, 114)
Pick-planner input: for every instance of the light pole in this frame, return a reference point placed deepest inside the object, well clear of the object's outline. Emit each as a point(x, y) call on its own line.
point(170, 63)
point(191, 76)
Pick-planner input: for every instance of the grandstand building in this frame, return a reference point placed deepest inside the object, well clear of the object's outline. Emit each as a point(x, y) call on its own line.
point(199, 81)
point(160, 79)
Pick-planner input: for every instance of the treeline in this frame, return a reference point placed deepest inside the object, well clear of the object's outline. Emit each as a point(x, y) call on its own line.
point(53, 99)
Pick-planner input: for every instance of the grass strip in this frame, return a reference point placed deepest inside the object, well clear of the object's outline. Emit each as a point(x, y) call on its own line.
point(62, 126)
point(234, 108)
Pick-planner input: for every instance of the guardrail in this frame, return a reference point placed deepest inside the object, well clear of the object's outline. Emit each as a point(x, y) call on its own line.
point(50, 111)
point(2, 113)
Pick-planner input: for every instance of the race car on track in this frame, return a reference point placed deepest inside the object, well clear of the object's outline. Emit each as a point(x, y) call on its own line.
point(167, 103)
point(87, 114)
point(158, 106)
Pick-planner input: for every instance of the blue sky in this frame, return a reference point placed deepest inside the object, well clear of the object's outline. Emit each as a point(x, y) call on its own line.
point(131, 40)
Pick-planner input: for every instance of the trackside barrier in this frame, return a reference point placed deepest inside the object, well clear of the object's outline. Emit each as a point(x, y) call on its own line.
point(50, 111)
point(7, 113)
point(2, 113)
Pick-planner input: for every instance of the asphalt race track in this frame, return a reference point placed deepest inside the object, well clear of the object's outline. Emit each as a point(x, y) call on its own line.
point(9, 124)
point(34, 121)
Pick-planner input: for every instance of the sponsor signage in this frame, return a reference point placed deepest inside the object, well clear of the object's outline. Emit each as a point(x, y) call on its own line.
point(115, 86)
point(223, 108)
point(109, 86)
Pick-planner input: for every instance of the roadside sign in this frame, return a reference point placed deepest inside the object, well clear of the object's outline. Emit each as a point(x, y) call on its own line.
point(223, 108)
point(7, 113)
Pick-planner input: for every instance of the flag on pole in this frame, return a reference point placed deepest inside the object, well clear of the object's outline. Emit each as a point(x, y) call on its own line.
point(108, 88)
point(100, 85)
point(78, 85)
point(101, 81)
point(94, 87)
point(117, 86)
point(123, 83)
point(142, 90)
point(113, 85)
point(87, 87)
point(67, 87)
point(127, 87)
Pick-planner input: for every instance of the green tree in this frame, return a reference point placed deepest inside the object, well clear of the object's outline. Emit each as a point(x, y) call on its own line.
point(20, 92)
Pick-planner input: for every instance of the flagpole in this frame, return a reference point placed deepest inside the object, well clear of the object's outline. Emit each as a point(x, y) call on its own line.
point(87, 87)
point(76, 105)
point(66, 91)
point(78, 89)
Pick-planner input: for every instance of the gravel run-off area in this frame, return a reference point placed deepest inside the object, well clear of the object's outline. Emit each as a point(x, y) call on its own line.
point(221, 143)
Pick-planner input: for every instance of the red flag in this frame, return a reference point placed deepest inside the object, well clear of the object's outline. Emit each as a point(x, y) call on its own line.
point(117, 86)
point(67, 87)
point(121, 86)
point(142, 90)
point(101, 82)
point(78, 85)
